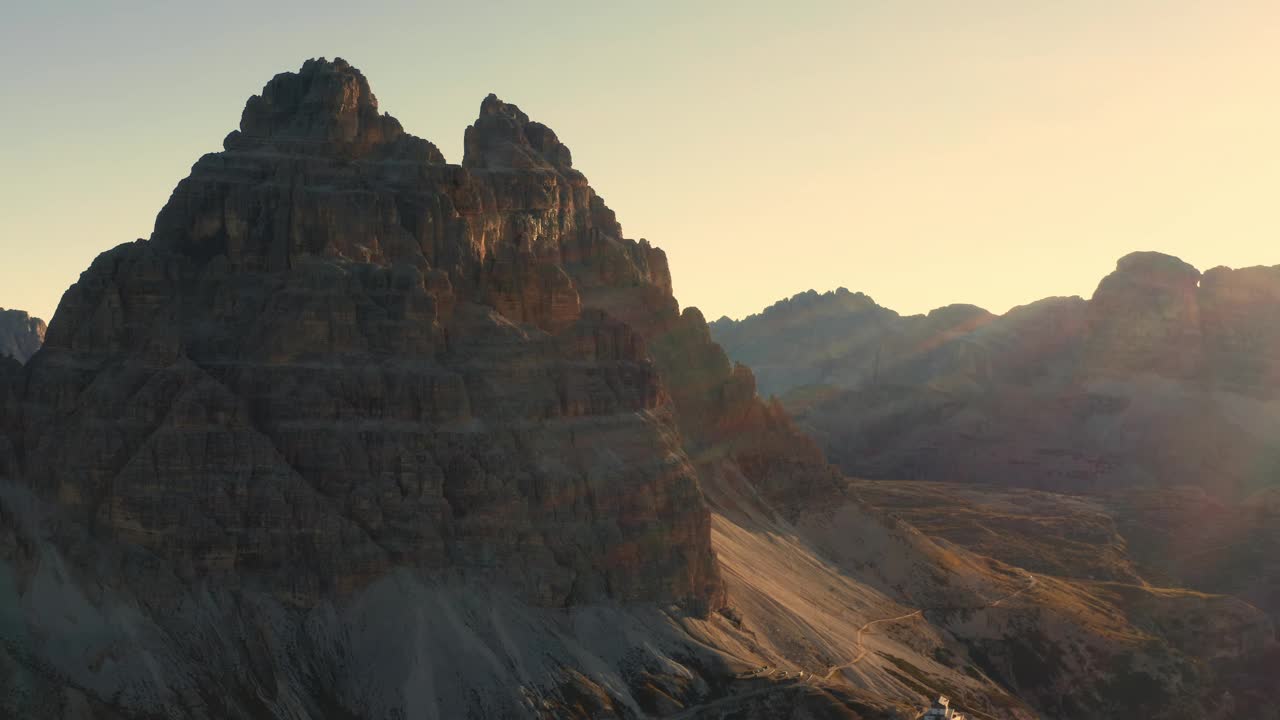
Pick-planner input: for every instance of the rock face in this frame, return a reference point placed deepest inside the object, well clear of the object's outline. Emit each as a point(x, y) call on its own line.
point(1154, 316)
point(1164, 377)
point(1145, 318)
point(20, 334)
point(1241, 336)
point(338, 355)
point(1160, 394)
point(338, 360)
point(1158, 315)
point(842, 339)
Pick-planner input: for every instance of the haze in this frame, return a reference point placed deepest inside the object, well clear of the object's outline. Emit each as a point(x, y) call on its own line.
point(922, 152)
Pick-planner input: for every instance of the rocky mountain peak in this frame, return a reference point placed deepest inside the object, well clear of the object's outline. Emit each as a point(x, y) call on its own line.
point(1154, 269)
point(464, 370)
point(20, 334)
point(322, 101)
point(504, 138)
point(961, 314)
point(1145, 317)
point(325, 103)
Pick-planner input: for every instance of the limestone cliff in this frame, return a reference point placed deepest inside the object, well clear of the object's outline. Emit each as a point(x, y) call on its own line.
point(20, 334)
point(338, 354)
point(340, 360)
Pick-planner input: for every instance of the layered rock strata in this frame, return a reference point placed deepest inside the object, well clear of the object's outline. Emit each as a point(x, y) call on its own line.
point(338, 354)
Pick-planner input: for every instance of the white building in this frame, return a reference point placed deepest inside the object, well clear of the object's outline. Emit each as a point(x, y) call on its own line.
point(941, 710)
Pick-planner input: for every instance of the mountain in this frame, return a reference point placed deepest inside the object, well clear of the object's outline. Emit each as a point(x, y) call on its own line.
point(20, 334)
point(358, 433)
point(1158, 395)
point(1154, 316)
point(1165, 376)
point(837, 338)
point(345, 380)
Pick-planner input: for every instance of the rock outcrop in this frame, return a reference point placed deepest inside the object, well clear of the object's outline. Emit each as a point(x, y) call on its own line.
point(20, 334)
point(1145, 318)
point(1156, 315)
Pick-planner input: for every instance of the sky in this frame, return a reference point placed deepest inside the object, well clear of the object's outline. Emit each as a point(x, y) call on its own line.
point(922, 152)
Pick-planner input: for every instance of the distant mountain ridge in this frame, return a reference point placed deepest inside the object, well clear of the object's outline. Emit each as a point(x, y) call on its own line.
point(837, 338)
point(1155, 315)
point(1159, 394)
point(1166, 376)
point(20, 334)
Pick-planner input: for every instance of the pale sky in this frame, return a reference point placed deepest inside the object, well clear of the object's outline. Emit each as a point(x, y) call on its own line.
point(922, 152)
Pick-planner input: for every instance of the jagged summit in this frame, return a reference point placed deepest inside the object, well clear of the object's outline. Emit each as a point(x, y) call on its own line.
point(20, 334)
point(396, 345)
point(326, 103)
point(317, 171)
point(322, 101)
point(503, 137)
point(808, 301)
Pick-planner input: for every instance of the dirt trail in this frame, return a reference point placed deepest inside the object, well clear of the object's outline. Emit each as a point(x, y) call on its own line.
point(1031, 582)
point(862, 650)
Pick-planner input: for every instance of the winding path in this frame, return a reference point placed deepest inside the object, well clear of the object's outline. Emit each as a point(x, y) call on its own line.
point(862, 652)
point(862, 649)
point(1031, 582)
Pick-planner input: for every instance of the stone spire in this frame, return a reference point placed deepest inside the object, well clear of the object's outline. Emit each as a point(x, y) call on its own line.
point(503, 137)
point(326, 104)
